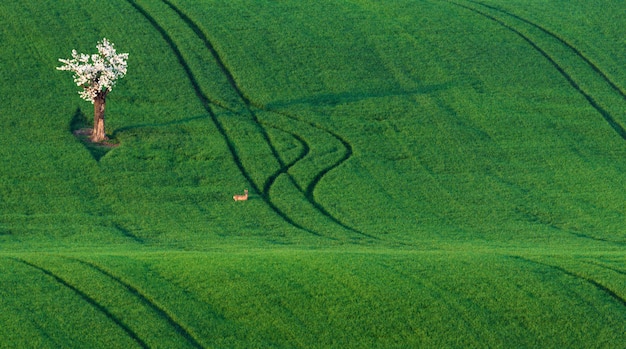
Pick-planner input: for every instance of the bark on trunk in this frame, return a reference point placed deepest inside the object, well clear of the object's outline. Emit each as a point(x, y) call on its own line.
point(98, 135)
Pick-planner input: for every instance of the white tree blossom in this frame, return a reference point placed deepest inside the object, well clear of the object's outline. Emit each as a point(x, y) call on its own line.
point(96, 73)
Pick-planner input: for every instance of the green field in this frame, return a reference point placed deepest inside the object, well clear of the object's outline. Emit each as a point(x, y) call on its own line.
point(422, 174)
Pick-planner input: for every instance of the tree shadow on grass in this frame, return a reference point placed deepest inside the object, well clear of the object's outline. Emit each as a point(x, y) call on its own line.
point(162, 124)
point(81, 128)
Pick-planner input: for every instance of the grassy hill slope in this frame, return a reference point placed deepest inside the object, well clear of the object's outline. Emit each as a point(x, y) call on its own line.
point(428, 174)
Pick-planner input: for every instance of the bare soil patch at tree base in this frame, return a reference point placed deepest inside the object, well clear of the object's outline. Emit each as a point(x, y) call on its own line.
point(97, 149)
point(84, 135)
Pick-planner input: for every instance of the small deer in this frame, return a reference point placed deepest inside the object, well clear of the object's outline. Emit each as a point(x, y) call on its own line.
point(243, 197)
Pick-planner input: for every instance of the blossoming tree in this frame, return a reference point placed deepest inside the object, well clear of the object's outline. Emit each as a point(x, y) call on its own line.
point(97, 74)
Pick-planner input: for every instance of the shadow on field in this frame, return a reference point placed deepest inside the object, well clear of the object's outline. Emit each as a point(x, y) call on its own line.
point(162, 124)
point(350, 97)
point(80, 126)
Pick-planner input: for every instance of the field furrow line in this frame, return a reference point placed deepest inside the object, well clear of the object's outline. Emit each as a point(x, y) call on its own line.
point(89, 300)
point(127, 233)
point(576, 51)
point(249, 105)
point(604, 266)
point(229, 76)
point(309, 190)
point(144, 299)
point(589, 280)
point(206, 103)
point(18, 307)
point(209, 46)
point(284, 170)
point(617, 127)
point(585, 236)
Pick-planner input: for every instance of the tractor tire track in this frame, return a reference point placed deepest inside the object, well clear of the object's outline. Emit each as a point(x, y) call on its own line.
point(309, 190)
point(89, 300)
point(249, 105)
point(229, 76)
point(591, 281)
point(617, 127)
point(309, 197)
point(206, 103)
point(604, 266)
point(576, 51)
point(284, 170)
point(146, 301)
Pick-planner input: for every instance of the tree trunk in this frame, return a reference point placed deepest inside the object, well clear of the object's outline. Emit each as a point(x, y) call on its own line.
point(98, 135)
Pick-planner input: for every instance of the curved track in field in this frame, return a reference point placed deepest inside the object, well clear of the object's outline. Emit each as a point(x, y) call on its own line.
point(561, 40)
point(229, 76)
point(89, 300)
point(206, 103)
point(178, 328)
point(617, 127)
point(250, 107)
point(309, 190)
point(604, 266)
point(594, 283)
point(306, 149)
point(308, 193)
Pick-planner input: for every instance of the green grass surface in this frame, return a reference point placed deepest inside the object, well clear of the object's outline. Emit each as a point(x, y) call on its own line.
point(421, 174)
